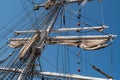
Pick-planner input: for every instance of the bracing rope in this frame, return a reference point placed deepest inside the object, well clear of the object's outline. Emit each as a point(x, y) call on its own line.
point(27, 12)
point(6, 58)
point(111, 59)
point(57, 61)
point(101, 9)
point(92, 66)
point(84, 16)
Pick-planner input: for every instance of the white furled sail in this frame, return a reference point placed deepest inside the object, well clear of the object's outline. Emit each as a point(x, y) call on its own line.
point(93, 44)
point(16, 44)
point(88, 44)
point(84, 3)
point(84, 42)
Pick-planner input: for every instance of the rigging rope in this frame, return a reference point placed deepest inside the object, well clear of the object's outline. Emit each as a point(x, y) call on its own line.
point(111, 59)
point(27, 12)
point(57, 61)
point(50, 63)
point(101, 9)
point(93, 66)
point(84, 16)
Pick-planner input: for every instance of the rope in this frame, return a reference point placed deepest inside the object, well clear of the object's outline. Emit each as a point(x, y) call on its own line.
point(93, 66)
point(50, 63)
point(72, 52)
point(101, 9)
point(27, 12)
point(57, 59)
point(84, 16)
point(111, 59)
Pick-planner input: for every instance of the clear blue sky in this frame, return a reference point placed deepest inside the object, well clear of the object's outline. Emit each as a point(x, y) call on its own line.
point(10, 8)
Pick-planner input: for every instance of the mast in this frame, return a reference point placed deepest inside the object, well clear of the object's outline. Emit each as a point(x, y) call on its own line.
point(41, 44)
point(44, 36)
point(31, 48)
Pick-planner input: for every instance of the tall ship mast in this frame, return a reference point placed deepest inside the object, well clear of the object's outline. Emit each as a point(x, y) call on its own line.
point(53, 39)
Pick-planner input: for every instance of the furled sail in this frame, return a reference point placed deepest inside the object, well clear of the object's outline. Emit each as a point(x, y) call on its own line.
point(93, 44)
point(84, 42)
point(16, 44)
point(84, 3)
point(89, 44)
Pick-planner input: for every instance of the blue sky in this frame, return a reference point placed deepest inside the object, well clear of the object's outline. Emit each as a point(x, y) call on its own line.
point(112, 18)
point(10, 8)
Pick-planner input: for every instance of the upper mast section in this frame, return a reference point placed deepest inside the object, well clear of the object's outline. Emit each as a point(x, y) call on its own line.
point(50, 3)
